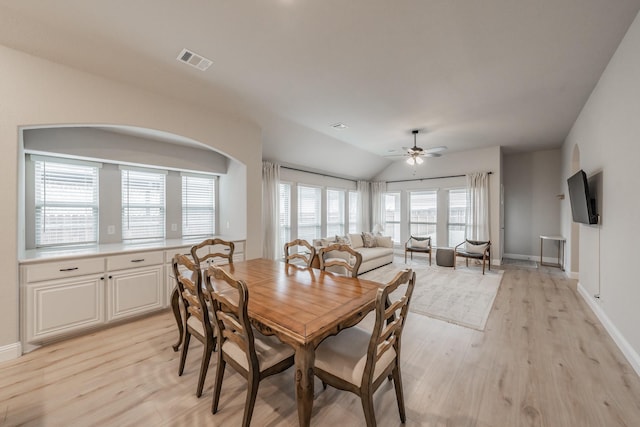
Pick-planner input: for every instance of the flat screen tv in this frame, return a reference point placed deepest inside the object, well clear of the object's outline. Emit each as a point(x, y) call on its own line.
point(583, 206)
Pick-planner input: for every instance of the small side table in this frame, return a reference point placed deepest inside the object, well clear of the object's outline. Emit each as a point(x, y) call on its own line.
point(561, 242)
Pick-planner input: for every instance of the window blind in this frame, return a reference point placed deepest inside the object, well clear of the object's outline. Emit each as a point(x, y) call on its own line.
point(143, 205)
point(335, 212)
point(309, 219)
point(457, 215)
point(198, 205)
point(391, 203)
point(353, 211)
point(66, 203)
point(285, 213)
point(423, 213)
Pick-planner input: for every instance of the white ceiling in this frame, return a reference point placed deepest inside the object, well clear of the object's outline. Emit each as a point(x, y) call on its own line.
point(471, 74)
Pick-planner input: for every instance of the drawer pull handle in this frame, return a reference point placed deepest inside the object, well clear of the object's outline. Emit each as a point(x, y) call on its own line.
point(69, 269)
point(137, 260)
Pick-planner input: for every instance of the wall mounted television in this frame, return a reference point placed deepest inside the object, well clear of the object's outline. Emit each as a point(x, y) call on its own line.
point(583, 205)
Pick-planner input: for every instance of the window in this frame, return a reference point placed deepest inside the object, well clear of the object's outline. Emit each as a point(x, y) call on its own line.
point(457, 215)
point(335, 212)
point(66, 202)
point(142, 205)
point(285, 213)
point(423, 209)
point(354, 200)
point(198, 205)
point(391, 204)
point(309, 217)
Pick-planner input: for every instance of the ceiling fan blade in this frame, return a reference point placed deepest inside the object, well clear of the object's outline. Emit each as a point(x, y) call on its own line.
point(435, 149)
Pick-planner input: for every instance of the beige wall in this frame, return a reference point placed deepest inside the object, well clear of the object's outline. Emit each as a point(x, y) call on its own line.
point(531, 205)
point(35, 92)
point(607, 133)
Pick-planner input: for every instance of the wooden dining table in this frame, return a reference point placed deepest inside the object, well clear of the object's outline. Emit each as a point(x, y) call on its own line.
point(302, 307)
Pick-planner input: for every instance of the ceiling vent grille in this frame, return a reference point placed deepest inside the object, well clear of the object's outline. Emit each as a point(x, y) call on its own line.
point(191, 58)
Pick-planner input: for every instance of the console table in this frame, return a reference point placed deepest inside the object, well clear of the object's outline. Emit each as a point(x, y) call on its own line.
point(561, 242)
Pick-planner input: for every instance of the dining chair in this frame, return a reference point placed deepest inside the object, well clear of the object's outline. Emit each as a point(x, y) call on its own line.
point(340, 257)
point(216, 249)
point(253, 355)
point(290, 255)
point(197, 318)
point(356, 361)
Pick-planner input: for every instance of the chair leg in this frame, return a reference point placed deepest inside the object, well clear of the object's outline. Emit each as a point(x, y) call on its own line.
point(405, 256)
point(252, 392)
point(218, 386)
point(367, 407)
point(204, 366)
point(185, 348)
point(175, 307)
point(397, 382)
point(429, 257)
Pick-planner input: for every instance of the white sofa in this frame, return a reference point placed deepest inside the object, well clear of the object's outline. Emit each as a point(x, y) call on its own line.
point(381, 253)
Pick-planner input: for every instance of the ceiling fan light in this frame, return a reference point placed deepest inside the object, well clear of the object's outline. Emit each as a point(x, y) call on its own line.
point(419, 160)
point(411, 161)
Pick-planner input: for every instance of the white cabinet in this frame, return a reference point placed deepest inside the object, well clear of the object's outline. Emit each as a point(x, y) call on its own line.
point(63, 306)
point(61, 298)
point(134, 291)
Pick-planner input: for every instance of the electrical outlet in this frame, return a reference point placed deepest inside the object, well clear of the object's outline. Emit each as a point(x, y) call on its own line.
point(174, 227)
point(111, 229)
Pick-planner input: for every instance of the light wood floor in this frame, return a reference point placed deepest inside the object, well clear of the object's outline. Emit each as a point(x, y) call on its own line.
point(543, 360)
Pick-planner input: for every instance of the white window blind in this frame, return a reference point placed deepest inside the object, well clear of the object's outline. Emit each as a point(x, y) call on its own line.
point(66, 202)
point(335, 212)
point(391, 202)
point(143, 208)
point(354, 198)
point(198, 205)
point(309, 219)
point(457, 215)
point(285, 213)
point(423, 214)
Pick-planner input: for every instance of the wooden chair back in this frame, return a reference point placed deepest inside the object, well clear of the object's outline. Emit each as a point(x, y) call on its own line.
point(390, 320)
point(326, 261)
point(230, 303)
point(200, 259)
point(194, 298)
point(306, 257)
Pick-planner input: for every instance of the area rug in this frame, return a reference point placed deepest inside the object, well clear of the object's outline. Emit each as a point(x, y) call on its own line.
point(462, 296)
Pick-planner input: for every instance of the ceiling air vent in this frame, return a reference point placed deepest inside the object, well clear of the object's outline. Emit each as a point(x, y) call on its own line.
point(193, 59)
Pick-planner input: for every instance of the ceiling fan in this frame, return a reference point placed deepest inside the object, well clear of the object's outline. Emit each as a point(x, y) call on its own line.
point(415, 154)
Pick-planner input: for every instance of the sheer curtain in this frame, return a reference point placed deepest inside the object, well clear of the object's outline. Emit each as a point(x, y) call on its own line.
point(377, 208)
point(478, 206)
point(364, 208)
point(270, 210)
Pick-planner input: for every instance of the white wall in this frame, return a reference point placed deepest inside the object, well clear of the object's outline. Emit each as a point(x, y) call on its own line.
point(36, 92)
point(456, 163)
point(607, 133)
point(531, 205)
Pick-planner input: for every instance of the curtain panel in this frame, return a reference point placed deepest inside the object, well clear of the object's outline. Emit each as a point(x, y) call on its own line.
point(271, 210)
point(478, 207)
point(377, 207)
point(364, 206)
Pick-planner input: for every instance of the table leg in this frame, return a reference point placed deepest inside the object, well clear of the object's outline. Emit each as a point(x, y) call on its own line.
point(304, 361)
point(175, 306)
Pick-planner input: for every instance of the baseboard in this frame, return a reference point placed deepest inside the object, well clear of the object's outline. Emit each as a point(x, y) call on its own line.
point(10, 352)
point(572, 275)
point(629, 353)
point(536, 258)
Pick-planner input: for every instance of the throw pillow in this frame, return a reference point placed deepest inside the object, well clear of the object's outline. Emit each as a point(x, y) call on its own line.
point(356, 240)
point(384, 242)
point(369, 239)
point(343, 240)
point(422, 244)
point(476, 249)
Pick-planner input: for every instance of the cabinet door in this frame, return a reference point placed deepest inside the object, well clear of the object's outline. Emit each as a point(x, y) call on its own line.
point(134, 291)
point(58, 307)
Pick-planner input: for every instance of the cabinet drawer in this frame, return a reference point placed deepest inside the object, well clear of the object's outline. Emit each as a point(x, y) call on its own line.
point(141, 259)
point(62, 269)
point(238, 247)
